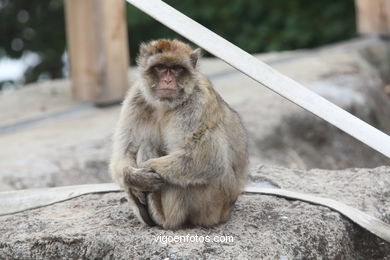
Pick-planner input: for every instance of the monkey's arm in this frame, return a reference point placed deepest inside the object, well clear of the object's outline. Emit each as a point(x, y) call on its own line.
point(122, 154)
point(126, 173)
point(196, 164)
point(126, 156)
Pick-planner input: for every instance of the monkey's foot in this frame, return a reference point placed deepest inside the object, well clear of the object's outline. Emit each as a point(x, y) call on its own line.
point(139, 198)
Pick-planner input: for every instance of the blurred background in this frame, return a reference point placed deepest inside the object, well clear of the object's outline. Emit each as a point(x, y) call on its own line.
point(66, 65)
point(33, 37)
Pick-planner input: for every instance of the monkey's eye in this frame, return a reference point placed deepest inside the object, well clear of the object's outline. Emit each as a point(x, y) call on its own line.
point(159, 67)
point(178, 68)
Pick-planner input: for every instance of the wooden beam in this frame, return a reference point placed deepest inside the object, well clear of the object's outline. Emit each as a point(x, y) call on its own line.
point(264, 74)
point(98, 49)
point(373, 16)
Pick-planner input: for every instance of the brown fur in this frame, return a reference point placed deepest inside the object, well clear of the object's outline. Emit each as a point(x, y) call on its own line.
point(167, 46)
point(188, 154)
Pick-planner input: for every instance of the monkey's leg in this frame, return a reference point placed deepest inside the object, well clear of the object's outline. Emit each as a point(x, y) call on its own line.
point(208, 206)
point(122, 173)
point(140, 207)
point(140, 181)
point(155, 208)
point(211, 204)
point(175, 202)
point(152, 208)
point(136, 198)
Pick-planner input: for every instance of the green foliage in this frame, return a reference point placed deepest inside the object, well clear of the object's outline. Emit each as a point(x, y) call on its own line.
point(34, 26)
point(257, 25)
point(254, 25)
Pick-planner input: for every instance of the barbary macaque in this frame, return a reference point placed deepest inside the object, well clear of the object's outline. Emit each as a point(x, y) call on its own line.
point(179, 151)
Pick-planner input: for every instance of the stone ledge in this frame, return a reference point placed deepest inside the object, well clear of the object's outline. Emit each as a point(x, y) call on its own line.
point(262, 227)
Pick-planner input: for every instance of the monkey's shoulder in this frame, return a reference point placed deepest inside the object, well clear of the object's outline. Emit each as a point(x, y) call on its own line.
point(204, 84)
point(213, 101)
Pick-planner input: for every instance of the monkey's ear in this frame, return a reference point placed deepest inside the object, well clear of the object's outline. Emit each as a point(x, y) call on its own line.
point(144, 50)
point(143, 54)
point(195, 55)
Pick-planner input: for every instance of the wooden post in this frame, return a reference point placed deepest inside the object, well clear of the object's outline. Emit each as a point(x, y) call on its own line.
point(97, 49)
point(373, 16)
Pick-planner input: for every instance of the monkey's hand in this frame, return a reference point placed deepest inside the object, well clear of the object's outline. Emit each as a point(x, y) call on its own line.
point(142, 179)
point(186, 169)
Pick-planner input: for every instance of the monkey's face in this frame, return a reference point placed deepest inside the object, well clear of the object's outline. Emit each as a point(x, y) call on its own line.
point(169, 69)
point(169, 80)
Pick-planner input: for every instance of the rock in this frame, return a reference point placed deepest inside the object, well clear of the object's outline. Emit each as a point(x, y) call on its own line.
point(56, 153)
point(101, 226)
point(283, 134)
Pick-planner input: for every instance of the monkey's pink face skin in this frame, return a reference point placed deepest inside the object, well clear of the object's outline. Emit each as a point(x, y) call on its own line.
point(167, 80)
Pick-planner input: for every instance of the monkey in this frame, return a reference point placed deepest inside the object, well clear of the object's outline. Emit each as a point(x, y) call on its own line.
point(179, 150)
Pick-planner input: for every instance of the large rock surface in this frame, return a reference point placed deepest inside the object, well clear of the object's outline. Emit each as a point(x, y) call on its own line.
point(262, 227)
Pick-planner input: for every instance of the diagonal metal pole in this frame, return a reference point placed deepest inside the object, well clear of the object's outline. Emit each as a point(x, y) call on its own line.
point(264, 74)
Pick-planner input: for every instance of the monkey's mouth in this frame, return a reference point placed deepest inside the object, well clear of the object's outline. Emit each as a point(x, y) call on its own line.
point(166, 92)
